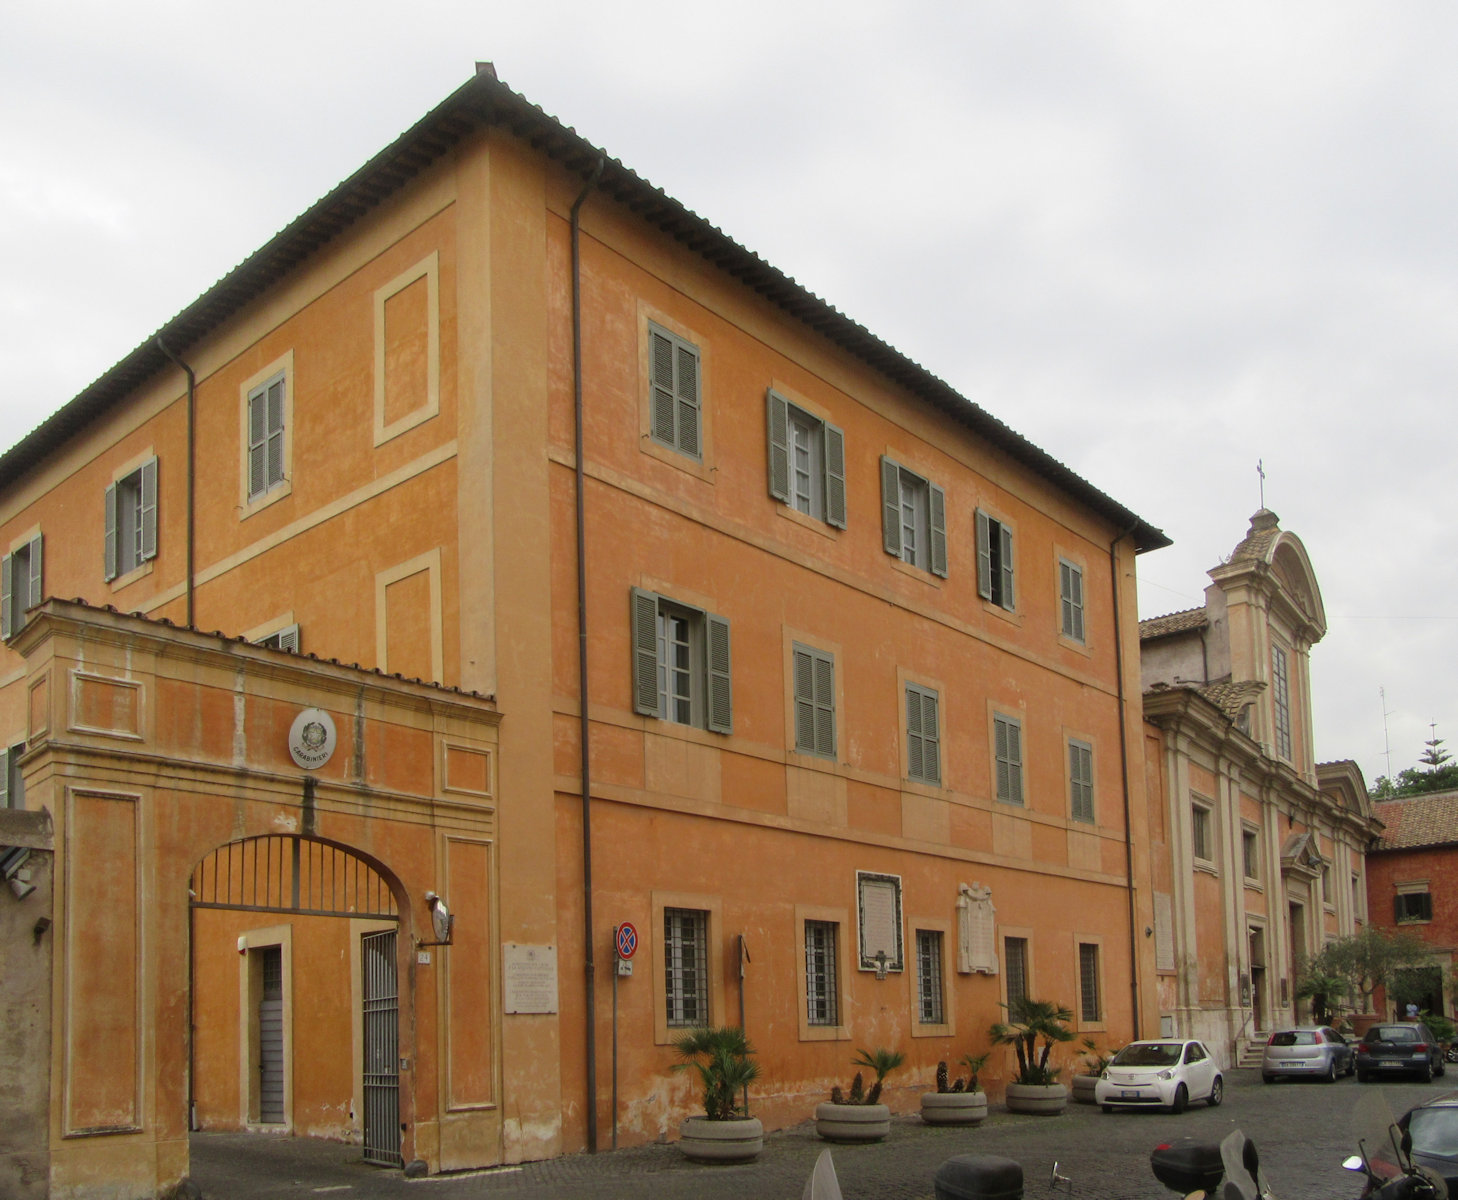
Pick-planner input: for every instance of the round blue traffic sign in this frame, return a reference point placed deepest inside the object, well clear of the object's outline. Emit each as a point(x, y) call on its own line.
point(627, 939)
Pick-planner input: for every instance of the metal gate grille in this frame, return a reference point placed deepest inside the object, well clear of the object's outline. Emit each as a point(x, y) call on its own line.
point(270, 1039)
point(280, 873)
point(381, 1050)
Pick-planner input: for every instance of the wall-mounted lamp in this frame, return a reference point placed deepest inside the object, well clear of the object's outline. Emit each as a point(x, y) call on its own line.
point(441, 919)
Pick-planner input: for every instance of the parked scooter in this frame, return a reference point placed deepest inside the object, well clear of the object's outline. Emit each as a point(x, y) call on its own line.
point(1384, 1156)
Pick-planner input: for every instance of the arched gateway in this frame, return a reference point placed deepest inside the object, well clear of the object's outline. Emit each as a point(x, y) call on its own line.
point(303, 879)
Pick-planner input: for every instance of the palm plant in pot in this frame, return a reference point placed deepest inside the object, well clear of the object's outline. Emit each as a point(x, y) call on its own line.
point(723, 1059)
point(956, 1101)
point(1092, 1063)
point(858, 1115)
point(1032, 1029)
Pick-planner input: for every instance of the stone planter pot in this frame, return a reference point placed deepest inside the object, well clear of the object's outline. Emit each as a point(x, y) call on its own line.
point(1361, 1022)
point(953, 1108)
point(1041, 1100)
point(1084, 1087)
point(852, 1122)
point(703, 1140)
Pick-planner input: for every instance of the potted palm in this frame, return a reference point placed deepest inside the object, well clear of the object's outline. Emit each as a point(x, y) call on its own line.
point(1093, 1061)
point(960, 1101)
point(858, 1115)
point(723, 1060)
point(1032, 1029)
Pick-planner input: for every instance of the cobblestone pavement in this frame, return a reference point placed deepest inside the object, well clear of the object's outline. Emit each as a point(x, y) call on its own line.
point(1303, 1131)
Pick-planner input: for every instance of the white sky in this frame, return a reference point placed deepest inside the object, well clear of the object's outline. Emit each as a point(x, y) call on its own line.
point(1163, 241)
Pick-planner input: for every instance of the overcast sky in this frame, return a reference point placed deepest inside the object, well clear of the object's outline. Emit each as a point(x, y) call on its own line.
point(1163, 241)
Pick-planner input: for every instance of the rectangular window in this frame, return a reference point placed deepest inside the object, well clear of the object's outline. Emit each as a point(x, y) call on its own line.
point(995, 562)
point(12, 782)
point(1015, 968)
point(1080, 780)
point(923, 735)
point(807, 461)
point(131, 520)
point(814, 701)
point(822, 987)
point(1327, 897)
point(680, 663)
point(674, 404)
point(929, 977)
point(1070, 599)
point(20, 585)
point(266, 436)
point(1413, 906)
point(1089, 1007)
point(1200, 832)
point(286, 638)
point(1281, 702)
point(686, 966)
point(1007, 736)
point(1250, 848)
point(914, 518)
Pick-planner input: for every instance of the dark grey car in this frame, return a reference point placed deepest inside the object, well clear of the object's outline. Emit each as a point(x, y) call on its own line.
point(1308, 1051)
point(1399, 1047)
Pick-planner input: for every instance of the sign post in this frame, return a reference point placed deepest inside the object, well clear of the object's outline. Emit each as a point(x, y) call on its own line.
point(625, 945)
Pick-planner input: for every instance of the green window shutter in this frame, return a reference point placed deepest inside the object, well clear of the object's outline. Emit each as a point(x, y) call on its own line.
point(1008, 600)
point(257, 437)
point(915, 762)
point(7, 596)
point(938, 530)
point(834, 477)
point(931, 739)
point(687, 393)
point(34, 591)
point(109, 526)
point(721, 697)
point(891, 506)
point(275, 456)
point(1077, 604)
point(984, 555)
point(1015, 762)
point(149, 509)
point(778, 415)
point(645, 652)
point(4, 778)
point(1080, 778)
point(825, 705)
point(661, 400)
point(804, 700)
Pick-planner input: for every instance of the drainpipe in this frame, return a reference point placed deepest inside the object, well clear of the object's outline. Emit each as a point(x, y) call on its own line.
point(191, 470)
point(1124, 771)
point(582, 719)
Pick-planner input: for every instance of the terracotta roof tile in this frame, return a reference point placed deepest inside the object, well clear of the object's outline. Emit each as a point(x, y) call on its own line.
point(1230, 698)
point(1176, 622)
point(1430, 820)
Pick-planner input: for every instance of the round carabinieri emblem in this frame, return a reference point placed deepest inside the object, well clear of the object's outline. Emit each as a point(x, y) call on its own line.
point(312, 738)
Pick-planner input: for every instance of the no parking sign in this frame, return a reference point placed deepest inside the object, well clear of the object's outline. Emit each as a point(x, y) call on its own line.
point(625, 941)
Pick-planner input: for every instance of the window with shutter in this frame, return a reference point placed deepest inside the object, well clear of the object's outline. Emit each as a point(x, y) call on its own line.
point(1200, 843)
point(681, 663)
point(674, 404)
point(914, 518)
point(21, 577)
point(1007, 737)
point(814, 701)
point(131, 520)
point(923, 735)
point(995, 562)
point(1080, 780)
point(267, 405)
point(1070, 599)
point(286, 638)
point(807, 461)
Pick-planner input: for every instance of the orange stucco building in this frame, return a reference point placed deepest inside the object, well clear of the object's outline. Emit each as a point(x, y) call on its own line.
point(493, 426)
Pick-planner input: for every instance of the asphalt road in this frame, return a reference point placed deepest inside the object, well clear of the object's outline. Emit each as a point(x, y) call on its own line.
point(1302, 1129)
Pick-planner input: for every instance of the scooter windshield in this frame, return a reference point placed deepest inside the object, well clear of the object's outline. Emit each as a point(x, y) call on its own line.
point(1378, 1138)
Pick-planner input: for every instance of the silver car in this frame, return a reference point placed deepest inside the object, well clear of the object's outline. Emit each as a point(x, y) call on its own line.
point(1310, 1051)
